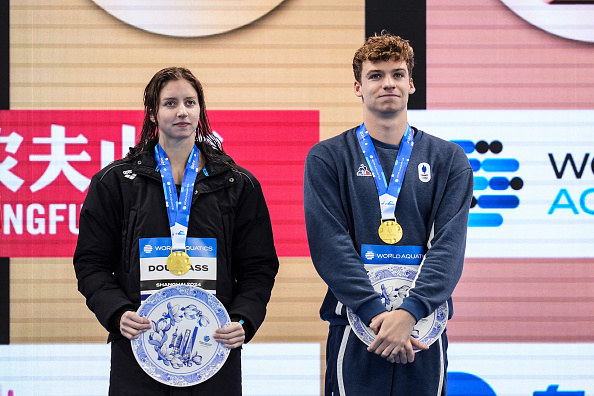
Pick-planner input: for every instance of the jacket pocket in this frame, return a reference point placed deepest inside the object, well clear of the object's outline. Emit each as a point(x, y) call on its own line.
point(225, 278)
point(128, 238)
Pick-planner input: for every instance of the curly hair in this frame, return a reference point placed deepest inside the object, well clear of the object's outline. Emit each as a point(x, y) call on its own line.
point(205, 139)
point(383, 47)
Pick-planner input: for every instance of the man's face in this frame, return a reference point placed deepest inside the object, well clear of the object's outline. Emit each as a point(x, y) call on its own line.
point(384, 87)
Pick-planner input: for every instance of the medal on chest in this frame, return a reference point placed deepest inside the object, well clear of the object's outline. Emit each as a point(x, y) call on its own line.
point(390, 232)
point(178, 262)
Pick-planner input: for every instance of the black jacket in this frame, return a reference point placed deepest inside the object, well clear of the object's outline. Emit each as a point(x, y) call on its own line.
point(125, 202)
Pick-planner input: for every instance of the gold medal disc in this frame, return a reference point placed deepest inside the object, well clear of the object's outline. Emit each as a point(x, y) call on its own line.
point(390, 232)
point(178, 262)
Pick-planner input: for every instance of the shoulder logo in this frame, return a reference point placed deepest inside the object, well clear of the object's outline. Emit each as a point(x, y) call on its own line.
point(129, 175)
point(363, 171)
point(424, 172)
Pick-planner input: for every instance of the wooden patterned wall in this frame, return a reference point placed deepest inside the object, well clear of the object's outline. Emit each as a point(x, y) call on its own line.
point(71, 54)
point(46, 306)
point(480, 55)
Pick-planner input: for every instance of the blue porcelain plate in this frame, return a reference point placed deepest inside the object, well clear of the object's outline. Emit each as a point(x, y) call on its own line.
point(392, 282)
point(180, 350)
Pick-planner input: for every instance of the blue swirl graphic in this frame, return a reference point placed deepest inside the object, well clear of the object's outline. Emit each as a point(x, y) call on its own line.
point(467, 145)
point(499, 183)
point(480, 183)
point(465, 384)
point(485, 220)
point(500, 165)
point(498, 201)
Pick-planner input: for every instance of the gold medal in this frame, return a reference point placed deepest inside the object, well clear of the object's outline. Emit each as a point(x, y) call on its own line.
point(390, 231)
point(178, 262)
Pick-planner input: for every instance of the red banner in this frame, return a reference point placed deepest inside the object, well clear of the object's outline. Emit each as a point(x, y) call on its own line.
point(47, 158)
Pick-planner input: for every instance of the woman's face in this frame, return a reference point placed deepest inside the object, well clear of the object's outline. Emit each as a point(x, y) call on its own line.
point(178, 113)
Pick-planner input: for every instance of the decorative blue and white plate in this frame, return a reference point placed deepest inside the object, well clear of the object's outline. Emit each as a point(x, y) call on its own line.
point(180, 349)
point(392, 282)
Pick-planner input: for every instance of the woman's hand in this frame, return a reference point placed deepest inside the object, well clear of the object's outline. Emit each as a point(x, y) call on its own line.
point(231, 336)
point(132, 325)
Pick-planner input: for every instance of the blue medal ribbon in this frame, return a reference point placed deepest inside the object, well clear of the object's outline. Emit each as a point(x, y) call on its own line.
point(178, 210)
point(388, 192)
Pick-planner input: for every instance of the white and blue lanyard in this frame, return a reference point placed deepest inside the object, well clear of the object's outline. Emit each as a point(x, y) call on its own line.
point(178, 210)
point(388, 192)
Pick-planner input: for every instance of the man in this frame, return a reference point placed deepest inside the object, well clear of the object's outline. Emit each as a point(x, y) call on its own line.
point(421, 207)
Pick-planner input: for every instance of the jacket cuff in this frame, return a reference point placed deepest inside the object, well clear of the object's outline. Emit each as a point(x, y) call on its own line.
point(247, 327)
point(415, 307)
point(370, 309)
point(114, 321)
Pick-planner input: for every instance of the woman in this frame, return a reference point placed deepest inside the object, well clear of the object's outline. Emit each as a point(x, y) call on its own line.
point(126, 203)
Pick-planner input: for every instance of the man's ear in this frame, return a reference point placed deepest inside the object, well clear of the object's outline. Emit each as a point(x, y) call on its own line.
point(357, 88)
point(411, 87)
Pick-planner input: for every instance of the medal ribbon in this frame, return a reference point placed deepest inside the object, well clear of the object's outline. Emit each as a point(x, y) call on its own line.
point(388, 192)
point(178, 210)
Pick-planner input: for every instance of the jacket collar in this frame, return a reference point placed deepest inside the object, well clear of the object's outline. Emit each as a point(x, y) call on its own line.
point(145, 163)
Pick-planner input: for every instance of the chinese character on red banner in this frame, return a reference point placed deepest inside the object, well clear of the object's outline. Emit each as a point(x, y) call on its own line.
point(47, 159)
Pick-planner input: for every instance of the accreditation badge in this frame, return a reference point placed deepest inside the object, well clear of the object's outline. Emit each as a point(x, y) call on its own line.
point(155, 273)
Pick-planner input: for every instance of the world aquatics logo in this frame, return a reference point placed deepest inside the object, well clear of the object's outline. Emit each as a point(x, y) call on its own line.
point(493, 179)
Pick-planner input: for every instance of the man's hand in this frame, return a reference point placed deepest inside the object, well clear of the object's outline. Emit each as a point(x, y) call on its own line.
point(393, 339)
point(132, 325)
point(231, 336)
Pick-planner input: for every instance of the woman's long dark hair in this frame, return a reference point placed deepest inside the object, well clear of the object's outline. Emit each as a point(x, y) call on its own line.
point(206, 141)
